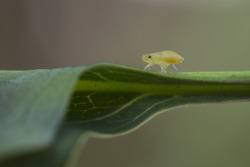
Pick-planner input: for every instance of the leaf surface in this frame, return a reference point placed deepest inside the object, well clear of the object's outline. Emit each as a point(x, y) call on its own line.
point(99, 100)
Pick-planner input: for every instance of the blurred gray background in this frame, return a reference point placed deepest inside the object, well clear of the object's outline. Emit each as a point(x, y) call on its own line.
point(211, 35)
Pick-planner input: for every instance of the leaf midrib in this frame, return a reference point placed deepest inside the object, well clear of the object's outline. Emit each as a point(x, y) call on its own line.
point(180, 89)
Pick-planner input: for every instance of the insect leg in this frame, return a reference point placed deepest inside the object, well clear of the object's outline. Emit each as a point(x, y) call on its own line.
point(147, 67)
point(164, 68)
point(176, 68)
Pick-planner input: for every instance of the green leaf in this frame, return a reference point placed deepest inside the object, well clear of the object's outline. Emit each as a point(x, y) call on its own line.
point(106, 100)
point(32, 106)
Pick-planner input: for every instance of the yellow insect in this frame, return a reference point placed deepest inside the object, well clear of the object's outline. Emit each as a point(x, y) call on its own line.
point(163, 59)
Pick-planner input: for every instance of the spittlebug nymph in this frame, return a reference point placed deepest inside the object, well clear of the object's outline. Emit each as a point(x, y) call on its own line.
point(163, 59)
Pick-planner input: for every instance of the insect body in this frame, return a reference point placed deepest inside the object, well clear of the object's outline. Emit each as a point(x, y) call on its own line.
point(163, 59)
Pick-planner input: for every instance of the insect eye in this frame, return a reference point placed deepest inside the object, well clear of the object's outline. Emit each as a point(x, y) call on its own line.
point(149, 56)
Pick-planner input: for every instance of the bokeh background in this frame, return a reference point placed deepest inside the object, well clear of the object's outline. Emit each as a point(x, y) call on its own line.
point(211, 35)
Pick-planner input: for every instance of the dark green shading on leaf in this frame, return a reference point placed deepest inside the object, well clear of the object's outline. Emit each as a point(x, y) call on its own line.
point(111, 99)
point(107, 100)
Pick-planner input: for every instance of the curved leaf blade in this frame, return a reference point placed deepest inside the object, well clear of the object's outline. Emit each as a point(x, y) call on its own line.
point(107, 100)
point(32, 106)
point(113, 99)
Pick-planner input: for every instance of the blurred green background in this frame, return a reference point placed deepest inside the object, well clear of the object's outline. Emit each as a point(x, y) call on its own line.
point(211, 35)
